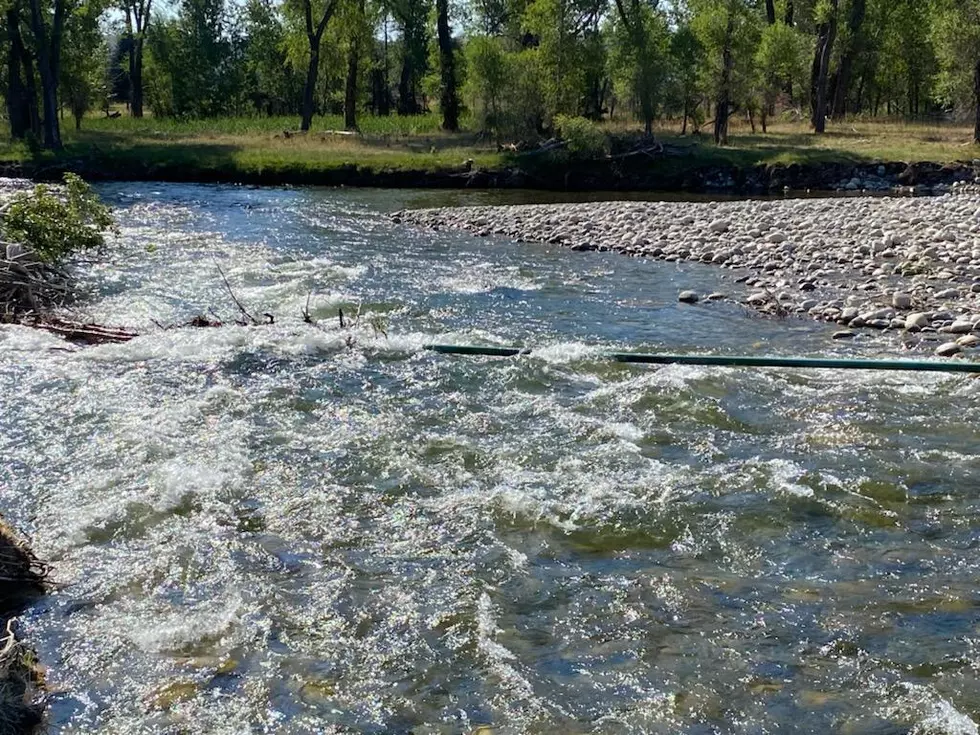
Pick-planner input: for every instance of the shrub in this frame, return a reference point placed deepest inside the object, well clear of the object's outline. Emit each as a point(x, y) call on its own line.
point(53, 224)
point(583, 137)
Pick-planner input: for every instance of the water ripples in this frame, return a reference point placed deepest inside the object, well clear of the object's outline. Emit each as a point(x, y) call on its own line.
point(291, 529)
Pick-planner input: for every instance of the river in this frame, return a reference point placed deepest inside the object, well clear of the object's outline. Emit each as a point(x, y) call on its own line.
point(299, 528)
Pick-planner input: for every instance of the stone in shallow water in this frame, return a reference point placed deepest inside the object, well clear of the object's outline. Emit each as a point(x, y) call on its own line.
point(948, 349)
point(970, 340)
point(901, 300)
point(844, 334)
point(916, 321)
point(688, 297)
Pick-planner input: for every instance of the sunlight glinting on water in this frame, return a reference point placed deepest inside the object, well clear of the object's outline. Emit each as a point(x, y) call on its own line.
point(289, 528)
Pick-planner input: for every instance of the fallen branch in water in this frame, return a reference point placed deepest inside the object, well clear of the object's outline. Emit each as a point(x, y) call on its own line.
point(90, 334)
point(234, 298)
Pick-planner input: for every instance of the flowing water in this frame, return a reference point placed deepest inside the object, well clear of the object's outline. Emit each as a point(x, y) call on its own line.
point(300, 529)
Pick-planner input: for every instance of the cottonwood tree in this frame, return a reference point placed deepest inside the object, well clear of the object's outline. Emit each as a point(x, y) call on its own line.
point(566, 40)
point(826, 15)
point(83, 65)
point(728, 30)
point(851, 44)
point(137, 22)
point(639, 40)
point(780, 62)
point(448, 93)
point(48, 27)
point(21, 93)
point(412, 20)
point(315, 14)
point(273, 82)
point(956, 31)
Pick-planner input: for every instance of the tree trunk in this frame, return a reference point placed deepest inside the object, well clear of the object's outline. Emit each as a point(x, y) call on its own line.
point(976, 102)
point(821, 63)
point(634, 26)
point(449, 98)
point(407, 104)
point(854, 47)
point(722, 108)
point(136, 78)
point(314, 35)
point(48, 62)
point(789, 13)
point(30, 87)
point(18, 109)
point(309, 90)
point(771, 12)
point(350, 86)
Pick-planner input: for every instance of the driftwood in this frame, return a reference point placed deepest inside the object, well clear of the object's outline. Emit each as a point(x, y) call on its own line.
point(89, 334)
point(29, 285)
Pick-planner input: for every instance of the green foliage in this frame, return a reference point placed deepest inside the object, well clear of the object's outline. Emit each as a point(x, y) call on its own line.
point(781, 60)
point(583, 137)
point(710, 24)
point(956, 36)
point(640, 59)
point(83, 68)
point(55, 224)
point(503, 89)
point(568, 48)
point(194, 68)
point(273, 82)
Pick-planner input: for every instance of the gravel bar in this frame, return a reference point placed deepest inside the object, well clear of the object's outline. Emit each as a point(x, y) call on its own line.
point(909, 265)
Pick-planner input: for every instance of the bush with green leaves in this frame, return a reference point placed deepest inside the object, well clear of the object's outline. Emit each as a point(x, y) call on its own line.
point(54, 223)
point(582, 137)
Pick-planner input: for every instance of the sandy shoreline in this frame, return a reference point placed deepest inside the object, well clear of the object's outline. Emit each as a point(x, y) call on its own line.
point(909, 265)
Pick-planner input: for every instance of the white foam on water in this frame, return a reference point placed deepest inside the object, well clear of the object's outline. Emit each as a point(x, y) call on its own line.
point(566, 352)
point(785, 477)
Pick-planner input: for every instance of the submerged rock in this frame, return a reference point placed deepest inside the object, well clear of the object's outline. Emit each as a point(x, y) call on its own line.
point(688, 297)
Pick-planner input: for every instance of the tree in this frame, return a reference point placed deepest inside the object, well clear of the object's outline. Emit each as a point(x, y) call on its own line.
point(316, 14)
point(565, 34)
point(411, 17)
point(826, 34)
point(271, 78)
point(638, 61)
point(449, 98)
point(728, 31)
point(21, 92)
point(138, 20)
point(686, 58)
point(83, 67)
point(357, 33)
point(487, 82)
point(781, 63)
point(852, 42)
point(194, 68)
point(956, 32)
point(48, 28)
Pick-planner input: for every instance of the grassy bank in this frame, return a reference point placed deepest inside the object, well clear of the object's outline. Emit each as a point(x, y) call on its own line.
point(268, 148)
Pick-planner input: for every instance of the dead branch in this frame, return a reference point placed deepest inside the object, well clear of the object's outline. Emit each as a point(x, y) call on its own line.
point(234, 298)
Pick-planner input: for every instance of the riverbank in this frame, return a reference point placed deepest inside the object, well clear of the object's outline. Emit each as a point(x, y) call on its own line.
point(905, 265)
point(413, 153)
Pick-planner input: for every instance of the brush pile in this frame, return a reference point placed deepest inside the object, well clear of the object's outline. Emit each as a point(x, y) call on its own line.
point(39, 229)
point(22, 579)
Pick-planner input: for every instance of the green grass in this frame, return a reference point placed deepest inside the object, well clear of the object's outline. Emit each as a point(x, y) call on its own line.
point(267, 147)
